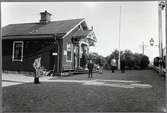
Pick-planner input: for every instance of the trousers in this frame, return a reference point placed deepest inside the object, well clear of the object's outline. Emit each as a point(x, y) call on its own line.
point(90, 74)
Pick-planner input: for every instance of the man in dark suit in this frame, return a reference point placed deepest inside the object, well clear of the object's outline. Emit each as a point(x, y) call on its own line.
point(90, 68)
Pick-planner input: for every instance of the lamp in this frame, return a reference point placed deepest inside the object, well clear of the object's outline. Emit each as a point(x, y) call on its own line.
point(151, 41)
point(162, 5)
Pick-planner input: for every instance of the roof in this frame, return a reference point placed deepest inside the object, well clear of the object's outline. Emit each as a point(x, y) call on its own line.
point(53, 27)
point(81, 33)
point(86, 33)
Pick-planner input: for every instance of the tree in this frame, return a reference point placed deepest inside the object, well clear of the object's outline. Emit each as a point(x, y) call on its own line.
point(129, 59)
point(144, 61)
point(97, 59)
point(83, 59)
point(132, 60)
point(156, 61)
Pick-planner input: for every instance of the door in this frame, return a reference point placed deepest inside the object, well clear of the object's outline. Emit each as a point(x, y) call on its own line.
point(75, 57)
point(53, 59)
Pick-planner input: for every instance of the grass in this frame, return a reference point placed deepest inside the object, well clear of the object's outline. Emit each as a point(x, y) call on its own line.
point(75, 97)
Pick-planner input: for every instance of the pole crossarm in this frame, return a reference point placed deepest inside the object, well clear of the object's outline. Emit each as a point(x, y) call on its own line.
point(162, 5)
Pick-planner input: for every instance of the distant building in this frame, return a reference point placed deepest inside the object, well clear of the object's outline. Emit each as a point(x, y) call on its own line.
point(60, 43)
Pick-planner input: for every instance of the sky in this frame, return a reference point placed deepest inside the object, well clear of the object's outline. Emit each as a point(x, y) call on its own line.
point(139, 21)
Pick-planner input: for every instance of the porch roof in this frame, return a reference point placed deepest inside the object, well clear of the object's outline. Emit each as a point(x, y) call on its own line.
point(81, 33)
point(84, 33)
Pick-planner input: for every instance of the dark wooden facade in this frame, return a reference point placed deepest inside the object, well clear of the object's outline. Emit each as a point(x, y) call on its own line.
point(31, 49)
point(55, 44)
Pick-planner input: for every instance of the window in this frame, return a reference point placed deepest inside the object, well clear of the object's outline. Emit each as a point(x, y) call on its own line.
point(69, 52)
point(80, 27)
point(17, 51)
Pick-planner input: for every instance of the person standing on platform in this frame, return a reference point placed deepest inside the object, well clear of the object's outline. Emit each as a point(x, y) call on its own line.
point(37, 67)
point(113, 65)
point(90, 68)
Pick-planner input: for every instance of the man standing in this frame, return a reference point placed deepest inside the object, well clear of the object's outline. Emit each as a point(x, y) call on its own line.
point(37, 66)
point(90, 68)
point(113, 64)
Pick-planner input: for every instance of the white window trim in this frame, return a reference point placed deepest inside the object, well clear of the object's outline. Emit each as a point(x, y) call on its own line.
point(67, 52)
point(14, 42)
point(80, 26)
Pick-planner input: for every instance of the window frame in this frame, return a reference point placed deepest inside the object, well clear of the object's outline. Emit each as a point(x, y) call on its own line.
point(67, 52)
point(13, 53)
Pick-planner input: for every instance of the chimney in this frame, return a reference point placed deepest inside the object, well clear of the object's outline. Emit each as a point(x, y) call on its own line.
point(45, 17)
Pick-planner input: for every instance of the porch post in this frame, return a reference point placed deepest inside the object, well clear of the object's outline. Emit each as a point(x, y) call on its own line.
point(56, 49)
point(58, 52)
point(78, 56)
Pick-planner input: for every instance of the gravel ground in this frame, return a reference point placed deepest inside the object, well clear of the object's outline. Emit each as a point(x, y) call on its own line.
point(107, 92)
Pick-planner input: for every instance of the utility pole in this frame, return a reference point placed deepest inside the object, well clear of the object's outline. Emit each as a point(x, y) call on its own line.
point(119, 55)
point(161, 6)
point(143, 48)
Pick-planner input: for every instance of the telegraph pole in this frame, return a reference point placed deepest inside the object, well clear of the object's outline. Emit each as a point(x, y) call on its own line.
point(119, 55)
point(161, 6)
point(143, 47)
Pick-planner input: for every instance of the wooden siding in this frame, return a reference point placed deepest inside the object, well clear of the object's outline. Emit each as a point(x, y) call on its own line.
point(30, 53)
point(60, 59)
point(68, 65)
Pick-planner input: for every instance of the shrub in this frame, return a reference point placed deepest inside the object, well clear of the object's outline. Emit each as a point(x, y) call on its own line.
point(156, 61)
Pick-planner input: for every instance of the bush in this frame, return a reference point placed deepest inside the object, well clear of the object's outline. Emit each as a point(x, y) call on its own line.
point(132, 61)
point(156, 61)
point(144, 62)
point(83, 60)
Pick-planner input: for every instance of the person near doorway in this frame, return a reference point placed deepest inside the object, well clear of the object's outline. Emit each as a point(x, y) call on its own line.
point(90, 68)
point(37, 67)
point(113, 65)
